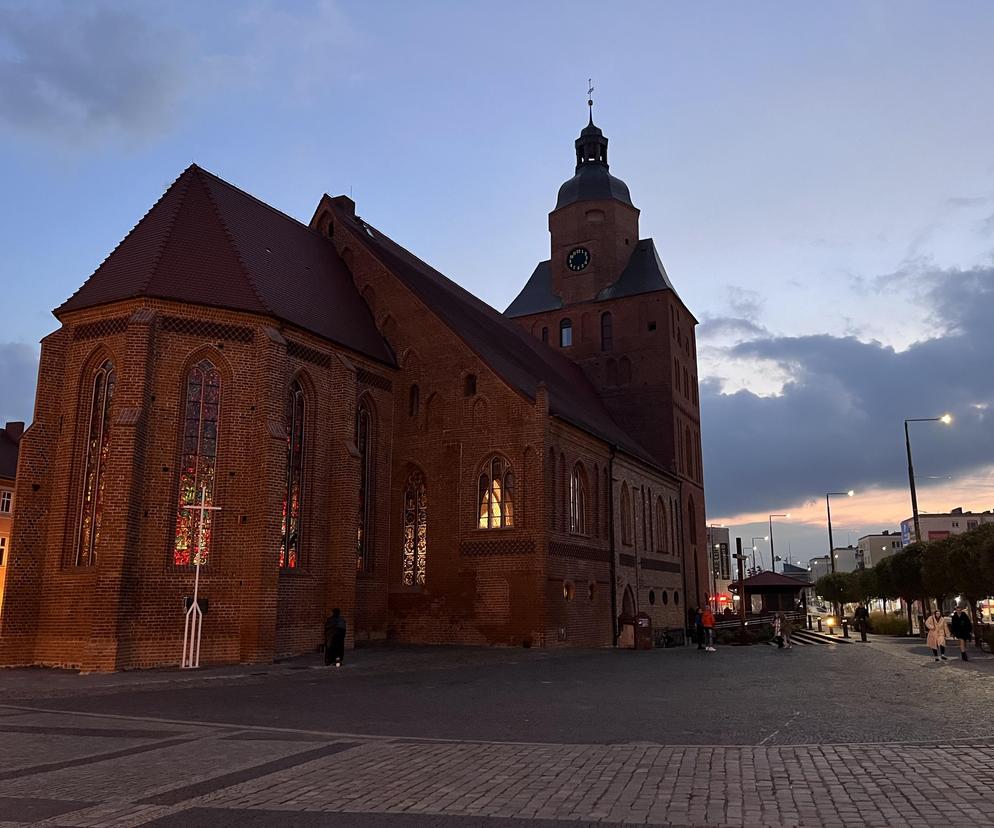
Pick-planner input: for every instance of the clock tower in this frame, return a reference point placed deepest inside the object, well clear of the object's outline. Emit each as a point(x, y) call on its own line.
point(594, 225)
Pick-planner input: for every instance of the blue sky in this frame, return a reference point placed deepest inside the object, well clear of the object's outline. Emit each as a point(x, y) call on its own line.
point(819, 179)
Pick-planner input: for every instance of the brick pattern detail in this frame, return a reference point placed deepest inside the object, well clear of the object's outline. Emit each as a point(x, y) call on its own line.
point(101, 328)
point(579, 552)
point(659, 566)
point(302, 352)
point(522, 546)
point(626, 560)
point(373, 380)
point(203, 329)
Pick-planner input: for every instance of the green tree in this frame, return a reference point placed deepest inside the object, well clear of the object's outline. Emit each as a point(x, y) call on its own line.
point(971, 566)
point(865, 585)
point(836, 587)
point(884, 574)
point(937, 574)
point(905, 575)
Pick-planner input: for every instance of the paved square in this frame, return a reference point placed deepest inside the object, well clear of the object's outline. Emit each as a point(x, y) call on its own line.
point(828, 735)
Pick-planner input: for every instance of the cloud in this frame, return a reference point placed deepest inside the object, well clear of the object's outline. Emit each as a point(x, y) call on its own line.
point(744, 303)
point(18, 374)
point(716, 327)
point(837, 423)
point(69, 71)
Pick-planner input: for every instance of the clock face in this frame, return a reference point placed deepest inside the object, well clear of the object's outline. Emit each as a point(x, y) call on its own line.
point(578, 258)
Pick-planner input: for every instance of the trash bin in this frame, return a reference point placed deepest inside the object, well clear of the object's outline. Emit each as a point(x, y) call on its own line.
point(643, 632)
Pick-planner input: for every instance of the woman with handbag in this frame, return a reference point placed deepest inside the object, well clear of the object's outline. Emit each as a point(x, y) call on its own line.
point(938, 632)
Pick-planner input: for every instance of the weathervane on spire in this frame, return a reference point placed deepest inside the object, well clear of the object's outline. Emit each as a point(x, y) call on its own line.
point(590, 98)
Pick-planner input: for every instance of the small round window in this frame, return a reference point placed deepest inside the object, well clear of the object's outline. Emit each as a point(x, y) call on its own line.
point(591, 590)
point(652, 596)
point(569, 590)
point(676, 598)
point(666, 597)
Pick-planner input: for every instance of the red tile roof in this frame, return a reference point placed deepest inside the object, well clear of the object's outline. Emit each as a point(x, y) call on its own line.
point(207, 242)
point(770, 579)
point(519, 359)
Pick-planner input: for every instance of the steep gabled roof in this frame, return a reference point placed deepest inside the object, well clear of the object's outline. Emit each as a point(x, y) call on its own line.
point(207, 242)
point(516, 357)
point(536, 296)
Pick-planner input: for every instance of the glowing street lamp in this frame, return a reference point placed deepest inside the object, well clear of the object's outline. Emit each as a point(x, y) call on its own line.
point(763, 538)
point(945, 419)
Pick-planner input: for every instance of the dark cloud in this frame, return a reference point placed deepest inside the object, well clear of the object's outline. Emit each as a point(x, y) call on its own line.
point(838, 423)
point(18, 375)
point(69, 70)
point(715, 327)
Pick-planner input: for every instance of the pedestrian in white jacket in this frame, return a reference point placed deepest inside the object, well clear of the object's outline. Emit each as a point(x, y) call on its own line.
point(938, 632)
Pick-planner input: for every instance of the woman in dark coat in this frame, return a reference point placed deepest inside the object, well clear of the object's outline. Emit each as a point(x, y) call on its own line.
point(962, 631)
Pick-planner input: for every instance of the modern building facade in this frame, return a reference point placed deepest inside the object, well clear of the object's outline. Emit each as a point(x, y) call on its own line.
point(874, 548)
point(940, 525)
point(367, 434)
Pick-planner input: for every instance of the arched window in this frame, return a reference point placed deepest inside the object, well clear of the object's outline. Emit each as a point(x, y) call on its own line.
point(415, 530)
point(661, 530)
point(198, 465)
point(691, 521)
point(686, 384)
point(469, 385)
point(413, 400)
point(578, 500)
point(607, 331)
point(565, 333)
point(688, 448)
point(626, 515)
point(496, 495)
point(97, 449)
point(293, 494)
point(364, 444)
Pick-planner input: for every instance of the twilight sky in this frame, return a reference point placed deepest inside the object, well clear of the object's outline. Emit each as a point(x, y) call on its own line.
point(819, 179)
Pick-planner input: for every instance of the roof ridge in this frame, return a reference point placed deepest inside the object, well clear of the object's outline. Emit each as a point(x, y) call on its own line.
point(256, 199)
point(157, 258)
point(233, 243)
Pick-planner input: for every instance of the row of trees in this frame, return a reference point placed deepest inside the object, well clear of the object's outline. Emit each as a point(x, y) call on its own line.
point(958, 565)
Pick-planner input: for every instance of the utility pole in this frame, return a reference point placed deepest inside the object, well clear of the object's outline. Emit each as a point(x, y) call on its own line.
point(742, 597)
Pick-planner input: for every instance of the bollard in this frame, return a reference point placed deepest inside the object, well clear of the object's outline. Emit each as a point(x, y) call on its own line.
point(810, 625)
point(819, 623)
point(845, 628)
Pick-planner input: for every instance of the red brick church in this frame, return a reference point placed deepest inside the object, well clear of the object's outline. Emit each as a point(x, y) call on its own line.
point(373, 436)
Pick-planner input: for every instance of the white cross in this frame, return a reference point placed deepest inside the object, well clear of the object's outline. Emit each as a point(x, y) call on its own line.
point(194, 617)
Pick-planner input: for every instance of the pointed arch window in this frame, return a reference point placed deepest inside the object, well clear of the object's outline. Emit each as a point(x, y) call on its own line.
point(364, 532)
point(496, 495)
point(94, 464)
point(198, 463)
point(607, 331)
point(415, 530)
point(565, 333)
point(578, 500)
point(414, 401)
point(293, 494)
point(688, 449)
point(661, 531)
point(626, 515)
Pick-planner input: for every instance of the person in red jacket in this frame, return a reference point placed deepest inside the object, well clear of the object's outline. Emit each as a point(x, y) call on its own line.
point(707, 619)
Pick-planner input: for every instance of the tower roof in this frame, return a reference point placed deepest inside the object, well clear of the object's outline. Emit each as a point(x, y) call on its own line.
point(208, 243)
point(592, 181)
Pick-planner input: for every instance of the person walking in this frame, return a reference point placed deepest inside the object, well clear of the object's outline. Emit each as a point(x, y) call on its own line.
point(707, 620)
point(334, 638)
point(699, 628)
point(781, 630)
point(938, 632)
point(962, 629)
point(862, 619)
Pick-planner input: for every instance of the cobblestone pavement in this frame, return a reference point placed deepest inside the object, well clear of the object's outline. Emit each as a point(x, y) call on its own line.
point(137, 762)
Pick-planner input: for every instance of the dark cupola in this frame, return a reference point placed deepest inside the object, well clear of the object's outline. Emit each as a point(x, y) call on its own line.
point(592, 181)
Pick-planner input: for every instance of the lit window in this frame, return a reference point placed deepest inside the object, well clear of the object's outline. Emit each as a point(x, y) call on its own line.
point(415, 530)
point(626, 515)
point(293, 495)
point(198, 465)
point(607, 331)
point(496, 495)
point(5, 498)
point(3, 551)
point(364, 535)
point(565, 333)
point(97, 450)
point(578, 501)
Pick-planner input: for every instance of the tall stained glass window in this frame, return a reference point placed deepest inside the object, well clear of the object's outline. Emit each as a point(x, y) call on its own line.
point(415, 530)
point(293, 494)
point(496, 495)
point(198, 465)
point(364, 536)
point(626, 515)
point(578, 501)
point(97, 449)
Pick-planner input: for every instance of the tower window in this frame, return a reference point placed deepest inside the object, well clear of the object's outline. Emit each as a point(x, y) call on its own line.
point(607, 331)
point(414, 401)
point(469, 387)
point(565, 333)
point(545, 335)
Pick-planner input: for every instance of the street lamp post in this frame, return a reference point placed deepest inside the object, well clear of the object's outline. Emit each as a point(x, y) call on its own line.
point(945, 419)
point(764, 537)
point(831, 543)
point(773, 557)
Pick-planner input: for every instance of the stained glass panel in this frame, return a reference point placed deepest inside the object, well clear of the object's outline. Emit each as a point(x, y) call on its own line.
point(293, 492)
point(198, 465)
point(494, 495)
point(415, 553)
point(97, 451)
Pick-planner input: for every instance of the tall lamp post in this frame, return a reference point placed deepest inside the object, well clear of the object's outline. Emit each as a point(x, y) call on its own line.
point(945, 419)
point(773, 557)
point(828, 510)
point(764, 537)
